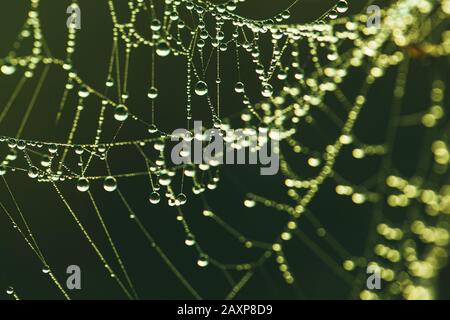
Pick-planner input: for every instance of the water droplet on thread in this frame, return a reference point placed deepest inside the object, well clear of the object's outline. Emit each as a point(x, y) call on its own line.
point(239, 88)
point(152, 93)
point(333, 14)
point(201, 88)
point(163, 48)
point(33, 172)
point(267, 90)
point(152, 129)
point(181, 199)
point(190, 240)
point(154, 198)
point(110, 184)
point(83, 184)
point(121, 113)
point(203, 261)
point(8, 69)
point(342, 6)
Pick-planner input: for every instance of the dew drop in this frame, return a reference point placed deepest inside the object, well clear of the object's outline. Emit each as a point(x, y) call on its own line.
point(164, 180)
point(163, 48)
point(203, 261)
point(189, 172)
point(156, 25)
point(33, 172)
point(314, 162)
point(52, 148)
point(282, 74)
point(188, 136)
point(121, 113)
point(239, 88)
point(190, 240)
point(152, 93)
point(201, 88)
point(12, 155)
point(46, 160)
point(181, 199)
point(12, 143)
point(333, 14)
point(154, 198)
point(8, 69)
point(208, 213)
point(342, 6)
point(109, 82)
point(249, 203)
point(286, 14)
point(110, 184)
point(159, 145)
point(267, 90)
point(83, 184)
point(83, 92)
point(79, 150)
point(231, 6)
point(21, 145)
point(152, 129)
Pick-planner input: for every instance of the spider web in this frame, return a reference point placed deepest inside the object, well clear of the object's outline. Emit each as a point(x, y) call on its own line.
point(360, 113)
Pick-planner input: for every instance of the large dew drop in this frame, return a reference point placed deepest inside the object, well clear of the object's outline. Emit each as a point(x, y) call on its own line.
point(239, 87)
point(155, 25)
point(121, 113)
point(333, 14)
point(154, 198)
point(8, 69)
point(190, 240)
point(181, 199)
point(83, 184)
point(33, 172)
point(152, 93)
point(203, 261)
point(342, 6)
point(164, 180)
point(267, 90)
point(201, 88)
point(46, 161)
point(163, 48)
point(110, 184)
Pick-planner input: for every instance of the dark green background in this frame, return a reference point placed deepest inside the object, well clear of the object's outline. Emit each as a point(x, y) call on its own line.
point(63, 243)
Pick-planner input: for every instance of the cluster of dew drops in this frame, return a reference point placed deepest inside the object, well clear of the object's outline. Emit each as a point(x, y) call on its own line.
point(163, 49)
point(121, 113)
